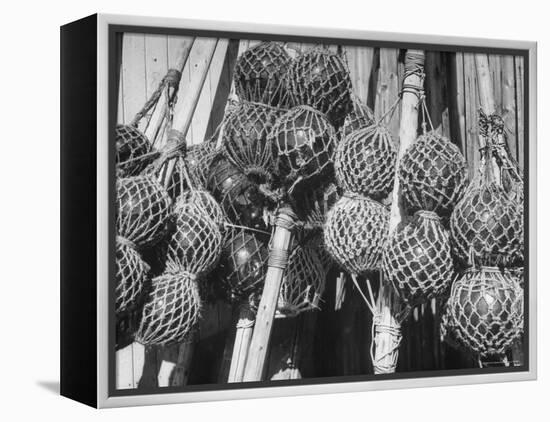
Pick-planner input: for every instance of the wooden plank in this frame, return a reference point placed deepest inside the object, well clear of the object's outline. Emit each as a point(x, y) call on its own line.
point(520, 106)
point(177, 52)
point(220, 75)
point(125, 368)
point(120, 105)
point(360, 62)
point(437, 92)
point(495, 70)
point(472, 104)
point(133, 70)
point(156, 66)
point(456, 102)
point(130, 360)
point(221, 93)
point(197, 61)
point(387, 88)
point(282, 363)
point(509, 103)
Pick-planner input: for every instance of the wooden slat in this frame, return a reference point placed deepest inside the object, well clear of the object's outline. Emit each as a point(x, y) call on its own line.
point(520, 116)
point(360, 63)
point(508, 108)
point(156, 66)
point(130, 360)
point(387, 89)
point(197, 61)
point(120, 105)
point(177, 52)
point(472, 104)
point(437, 92)
point(496, 77)
point(223, 89)
point(133, 70)
point(457, 105)
point(220, 75)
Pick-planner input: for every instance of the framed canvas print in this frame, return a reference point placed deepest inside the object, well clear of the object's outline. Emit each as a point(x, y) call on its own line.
point(266, 210)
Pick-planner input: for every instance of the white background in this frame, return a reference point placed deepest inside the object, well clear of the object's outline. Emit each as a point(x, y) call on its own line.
point(29, 235)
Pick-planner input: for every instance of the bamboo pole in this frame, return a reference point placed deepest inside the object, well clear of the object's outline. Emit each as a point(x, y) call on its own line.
point(387, 322)
point(243, 337)
point(183, 116)
point(184, 109)
point(278, 259)
point(487, 101)
point(156, 125)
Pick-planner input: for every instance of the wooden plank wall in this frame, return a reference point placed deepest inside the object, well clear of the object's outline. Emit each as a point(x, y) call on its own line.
point(336, 340)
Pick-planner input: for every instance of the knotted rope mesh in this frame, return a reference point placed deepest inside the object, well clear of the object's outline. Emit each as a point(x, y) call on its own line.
point(195, 246)
point(433, 175)
point(131, 275)
point(312, 205)
point(240, 199)
point(417, 259)
point(172, 310)
point(355, 232)
point(317, 243)
point(191, 166)
point(199, 159)
point(174, 151)
point(485, 311)
point(493, 132)
point(359, 117)
point(303, 283)
point(132, 150)
point(487, 224)
point(245, 138)
point(365, 162)
point(243, 265)
point(518, 274)
point(143, 209)
point(260, 74)
point(202, 202)
point(304, 142)
point(320, 79)
point(173, 307)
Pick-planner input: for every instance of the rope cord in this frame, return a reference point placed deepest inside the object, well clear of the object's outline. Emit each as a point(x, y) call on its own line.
point(237, 226)
point(171, 79)
point(394, 330)
point(414, 65)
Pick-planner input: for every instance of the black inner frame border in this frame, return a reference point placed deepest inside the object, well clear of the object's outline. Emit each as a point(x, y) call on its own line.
point(114, 55)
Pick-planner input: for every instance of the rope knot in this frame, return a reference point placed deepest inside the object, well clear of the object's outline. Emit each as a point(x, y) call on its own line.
point(173, 78)
point(121, 240)
point(428, 215)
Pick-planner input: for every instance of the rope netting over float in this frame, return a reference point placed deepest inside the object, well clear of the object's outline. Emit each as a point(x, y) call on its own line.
point(300, 177)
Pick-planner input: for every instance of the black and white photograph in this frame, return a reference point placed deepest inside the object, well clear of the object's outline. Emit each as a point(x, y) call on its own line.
point(310, 211)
